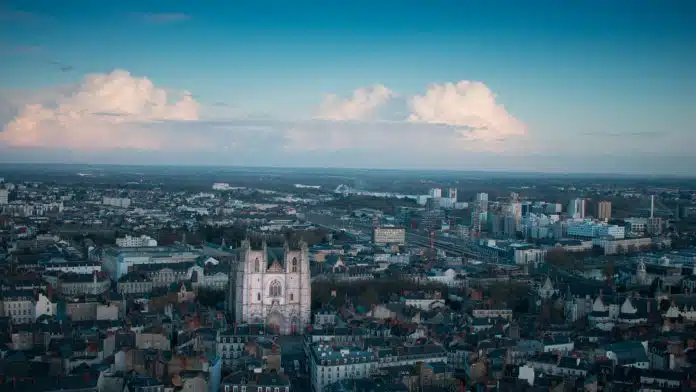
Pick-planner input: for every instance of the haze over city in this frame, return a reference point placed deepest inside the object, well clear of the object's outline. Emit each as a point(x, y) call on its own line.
point(542, 86)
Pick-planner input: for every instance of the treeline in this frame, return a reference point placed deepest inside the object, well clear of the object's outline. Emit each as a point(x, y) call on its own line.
point(366, 293)
point(234, 235)
point(384, 204)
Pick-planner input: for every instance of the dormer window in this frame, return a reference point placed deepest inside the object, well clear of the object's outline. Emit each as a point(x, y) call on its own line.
point(294, 264)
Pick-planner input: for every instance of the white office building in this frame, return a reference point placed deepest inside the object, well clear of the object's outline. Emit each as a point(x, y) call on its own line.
point(636, 226)
point(591, 229)
point(389, 235)
point(435, 193)
point(118, 261)
point(135, 242)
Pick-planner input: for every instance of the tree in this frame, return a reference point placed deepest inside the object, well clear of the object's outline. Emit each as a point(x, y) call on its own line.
point(369, 297)
point(655, 286)
point(506, 293)
point(560, 258)
point(645, 248)
point(608, 270)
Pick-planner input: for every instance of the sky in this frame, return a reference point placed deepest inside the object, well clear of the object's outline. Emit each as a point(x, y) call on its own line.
point(537, 85)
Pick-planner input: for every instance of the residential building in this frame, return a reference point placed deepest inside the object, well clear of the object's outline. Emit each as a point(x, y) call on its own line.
point(4, 196)
point(120, 202)
point(255, 381)
point(134, 283)
point(18, 305)
point(604, 210)
point(329, 364)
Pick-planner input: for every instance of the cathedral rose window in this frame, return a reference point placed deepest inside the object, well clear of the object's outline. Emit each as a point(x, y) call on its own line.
point(275, 289)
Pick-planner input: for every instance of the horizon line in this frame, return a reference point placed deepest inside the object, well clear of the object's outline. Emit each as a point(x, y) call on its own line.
point(434, 170)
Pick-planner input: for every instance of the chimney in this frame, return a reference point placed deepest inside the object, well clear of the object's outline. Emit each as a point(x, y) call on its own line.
point(652, 206)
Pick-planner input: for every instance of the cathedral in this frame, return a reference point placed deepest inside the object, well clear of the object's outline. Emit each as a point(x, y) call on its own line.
point(271, 286)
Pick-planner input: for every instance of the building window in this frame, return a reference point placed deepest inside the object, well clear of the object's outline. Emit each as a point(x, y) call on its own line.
point(257, 265)
point(294, 264)
point(275, 289)
point(258, 296)
point(292, 297)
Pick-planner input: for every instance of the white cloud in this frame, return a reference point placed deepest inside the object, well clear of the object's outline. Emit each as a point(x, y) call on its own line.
point(117, 111)
point(470, 106)
point(103, 111)
point(359, 106)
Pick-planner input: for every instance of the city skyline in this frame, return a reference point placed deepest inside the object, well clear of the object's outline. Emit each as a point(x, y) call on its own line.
point(448, 85)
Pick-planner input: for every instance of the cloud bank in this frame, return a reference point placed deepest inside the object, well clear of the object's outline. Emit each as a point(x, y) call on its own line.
point(117, 110)
point(104, 111)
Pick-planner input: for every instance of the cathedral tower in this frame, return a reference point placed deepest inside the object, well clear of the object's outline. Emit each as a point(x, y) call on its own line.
point(271, 286)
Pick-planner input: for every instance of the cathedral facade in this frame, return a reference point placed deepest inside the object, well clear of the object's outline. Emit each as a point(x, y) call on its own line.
point(271, 286)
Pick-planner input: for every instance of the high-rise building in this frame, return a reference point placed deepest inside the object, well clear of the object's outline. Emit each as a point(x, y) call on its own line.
point(496, 224)
point(604, 210)
point(449, 199)
point(452, 193)
point(4, 196)
point(510, 226)
point(435, 193)
point(576, 208)
point(479, 213)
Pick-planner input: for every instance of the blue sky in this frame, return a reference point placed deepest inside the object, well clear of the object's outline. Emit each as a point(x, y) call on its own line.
point(588, 83)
